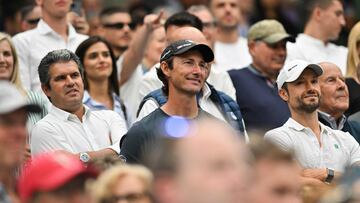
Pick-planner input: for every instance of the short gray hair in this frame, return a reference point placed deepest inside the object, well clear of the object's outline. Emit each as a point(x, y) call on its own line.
point(56, 56)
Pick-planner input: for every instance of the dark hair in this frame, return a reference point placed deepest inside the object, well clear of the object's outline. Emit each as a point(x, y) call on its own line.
point(80, 52)
point(162, 76)
point(311, 5)
point(111, 10)
point(182, 19)
point(26, 10)
point(56, 56)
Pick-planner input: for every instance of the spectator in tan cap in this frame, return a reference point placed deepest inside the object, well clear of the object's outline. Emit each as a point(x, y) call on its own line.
point(256, 92)
point(13, 134)
point(322, 152)
point(55, 178)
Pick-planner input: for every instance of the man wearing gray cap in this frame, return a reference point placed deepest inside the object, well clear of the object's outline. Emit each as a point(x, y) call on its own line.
point(256, 93)
point(13, 134)
point(321, 151)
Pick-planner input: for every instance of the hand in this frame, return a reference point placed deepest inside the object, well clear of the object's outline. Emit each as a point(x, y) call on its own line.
point(317, 173)
point(153, 21)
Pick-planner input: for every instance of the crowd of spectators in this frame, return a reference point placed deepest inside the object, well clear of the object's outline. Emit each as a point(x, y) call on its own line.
point(254, 101)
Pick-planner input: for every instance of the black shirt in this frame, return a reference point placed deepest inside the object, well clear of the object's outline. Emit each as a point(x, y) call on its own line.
point(141, 137)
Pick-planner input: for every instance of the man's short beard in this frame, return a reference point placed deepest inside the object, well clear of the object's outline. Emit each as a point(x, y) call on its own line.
point(228, 27)
point(308, 108)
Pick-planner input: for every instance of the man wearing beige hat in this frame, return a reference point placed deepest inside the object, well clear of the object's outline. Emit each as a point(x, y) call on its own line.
point(321, 151)
point(256, 92)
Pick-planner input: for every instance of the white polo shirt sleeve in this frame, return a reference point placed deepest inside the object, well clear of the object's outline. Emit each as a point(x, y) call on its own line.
point(354, 148)
point(280, 138)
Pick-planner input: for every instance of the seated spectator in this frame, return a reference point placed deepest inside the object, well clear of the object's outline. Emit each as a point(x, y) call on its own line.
point(210, 99)
point(353, 72)
point(51, 33)
point(322, 152)
point(183, 71)
point(285, 175)
point(71, 126)
point(207, 164)
point(9, 64)
point(56, 178)
point(231, 51)
point(131, 183)
point(256, 92)
point(335, 101)
point(13, 137)
point(100, 76)
point(324, 21)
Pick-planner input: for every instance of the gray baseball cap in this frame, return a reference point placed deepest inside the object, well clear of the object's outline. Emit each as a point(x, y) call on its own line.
point(11, 99)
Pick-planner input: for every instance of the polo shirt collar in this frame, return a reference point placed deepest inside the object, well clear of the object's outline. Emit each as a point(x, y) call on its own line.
point(291, 123)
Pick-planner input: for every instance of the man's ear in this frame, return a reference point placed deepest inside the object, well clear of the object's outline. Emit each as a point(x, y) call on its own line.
point(46, 90)
point(252, 47)
point(165, 68)
point(284, 94)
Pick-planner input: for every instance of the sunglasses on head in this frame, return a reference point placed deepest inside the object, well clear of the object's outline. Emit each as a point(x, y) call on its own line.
point(132, 26)
point(33, 21)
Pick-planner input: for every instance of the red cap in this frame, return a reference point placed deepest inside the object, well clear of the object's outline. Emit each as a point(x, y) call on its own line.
point(48, 172)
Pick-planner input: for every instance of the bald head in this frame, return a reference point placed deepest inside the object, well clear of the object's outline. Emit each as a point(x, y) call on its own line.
point(334, 93)
point(187, 32)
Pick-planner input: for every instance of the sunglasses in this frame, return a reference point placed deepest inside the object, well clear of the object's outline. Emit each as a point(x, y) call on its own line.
point(132, 26)
point(33, 21)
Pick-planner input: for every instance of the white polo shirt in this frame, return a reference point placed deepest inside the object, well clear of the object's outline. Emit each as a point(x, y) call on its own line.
point(33, 45)
point(339, 149)
point(61, 130)
point(314, 50)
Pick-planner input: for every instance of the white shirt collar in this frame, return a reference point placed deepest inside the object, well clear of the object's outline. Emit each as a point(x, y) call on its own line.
point(291, 123)
point(44, 29)
point(311, 40)
point(64, 115)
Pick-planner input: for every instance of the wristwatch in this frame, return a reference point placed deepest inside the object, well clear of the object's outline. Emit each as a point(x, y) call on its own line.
point(84, 157)
point(330, 175)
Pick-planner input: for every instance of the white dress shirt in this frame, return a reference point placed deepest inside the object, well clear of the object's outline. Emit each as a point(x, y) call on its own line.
point(315, 51)
point(338, 149)
point(61, 130)
point(232, 55)
point(33, 45)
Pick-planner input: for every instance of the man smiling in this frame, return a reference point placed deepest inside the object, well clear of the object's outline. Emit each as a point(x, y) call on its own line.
point(320, 150)
point(183, 70)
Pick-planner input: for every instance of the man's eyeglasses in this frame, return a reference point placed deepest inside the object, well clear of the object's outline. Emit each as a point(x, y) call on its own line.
point(131, 197)
point(132, 26)
point(33, 21)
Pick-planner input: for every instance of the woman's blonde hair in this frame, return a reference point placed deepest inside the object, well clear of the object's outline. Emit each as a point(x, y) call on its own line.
point(353, 55)
point(102, 188)
point(15, 75)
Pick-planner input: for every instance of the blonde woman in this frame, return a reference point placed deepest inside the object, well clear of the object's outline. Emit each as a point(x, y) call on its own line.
point(9, 70)
point(123, 182)
point(353, 69)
